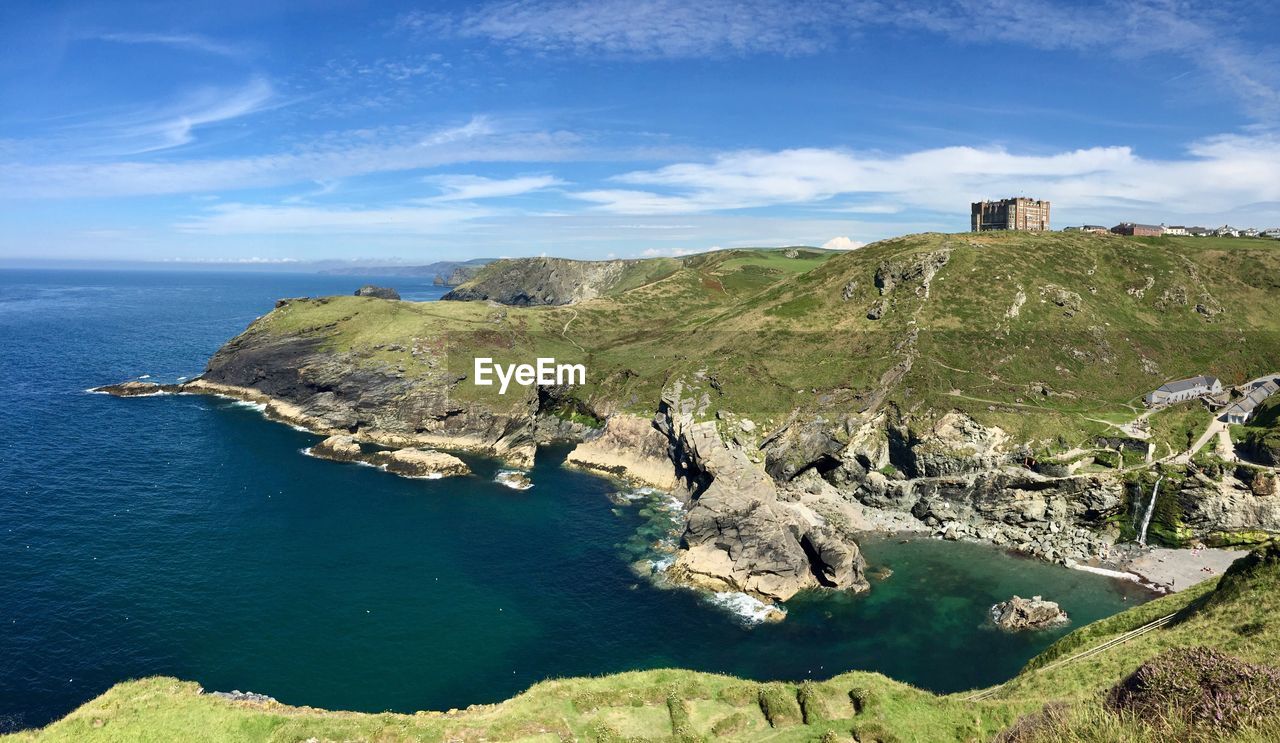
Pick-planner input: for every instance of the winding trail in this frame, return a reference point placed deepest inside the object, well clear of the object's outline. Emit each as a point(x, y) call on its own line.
point(565, 330)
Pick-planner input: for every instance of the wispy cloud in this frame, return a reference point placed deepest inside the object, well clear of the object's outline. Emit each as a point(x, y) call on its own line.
point(472, 187)
point(334, 157)
point(1219, 44)
point(259, 219)
point(644, 28)
point(150, 128)
point(186, 41)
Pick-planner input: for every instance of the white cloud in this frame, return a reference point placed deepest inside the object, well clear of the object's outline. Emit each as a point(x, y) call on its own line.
point(1217, 175)
point(842, 242)
point(470, 187)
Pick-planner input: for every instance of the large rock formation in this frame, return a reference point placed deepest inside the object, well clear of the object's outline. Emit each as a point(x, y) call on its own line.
point(629, 447)
point(420, 463)
point(334, 392)
point(739, 535)
point(540, 281)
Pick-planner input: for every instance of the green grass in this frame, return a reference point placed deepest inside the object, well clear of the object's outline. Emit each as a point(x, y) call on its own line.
point(1235, 614)
point(777, 334)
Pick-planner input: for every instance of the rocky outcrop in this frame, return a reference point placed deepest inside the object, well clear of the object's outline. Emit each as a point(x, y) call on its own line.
point(540, 281)
point(1019, 614)
point(419, 463)
point(423, 463)
point(739, 536)
point(330, 392)
point(338, 448)
point(378, 292)
point(1239, 499)
point(956, 444)
point(630, 447)
point(137, 389)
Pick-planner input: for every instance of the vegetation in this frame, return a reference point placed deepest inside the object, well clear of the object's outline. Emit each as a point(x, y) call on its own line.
point(1052, 336)
point(1206, 675)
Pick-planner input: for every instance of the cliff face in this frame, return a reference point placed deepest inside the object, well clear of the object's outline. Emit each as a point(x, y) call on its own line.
point(522, 282)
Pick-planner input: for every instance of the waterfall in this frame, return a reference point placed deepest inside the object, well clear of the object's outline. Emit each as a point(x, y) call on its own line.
point(1151, 507)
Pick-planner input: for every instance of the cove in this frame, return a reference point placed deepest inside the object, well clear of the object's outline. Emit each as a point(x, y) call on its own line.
point(188, 536)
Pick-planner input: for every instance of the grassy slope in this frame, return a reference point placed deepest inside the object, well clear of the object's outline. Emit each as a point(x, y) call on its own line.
point(776, 334)
point(1236, 616)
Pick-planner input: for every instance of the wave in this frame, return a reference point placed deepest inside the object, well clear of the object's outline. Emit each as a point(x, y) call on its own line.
point(748, 609)
point(514, 479)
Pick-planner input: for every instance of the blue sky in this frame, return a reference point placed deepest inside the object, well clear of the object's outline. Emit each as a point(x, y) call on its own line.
point(272, 131)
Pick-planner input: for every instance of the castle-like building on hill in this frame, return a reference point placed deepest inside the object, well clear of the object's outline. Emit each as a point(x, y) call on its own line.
point(1020, 213)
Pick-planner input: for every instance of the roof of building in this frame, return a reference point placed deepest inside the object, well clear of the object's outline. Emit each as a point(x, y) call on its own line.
point(1142, 226)
point(1260, 392)
point(1182, 385)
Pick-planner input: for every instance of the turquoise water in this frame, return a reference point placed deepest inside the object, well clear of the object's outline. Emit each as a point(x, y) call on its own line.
point(188, 536)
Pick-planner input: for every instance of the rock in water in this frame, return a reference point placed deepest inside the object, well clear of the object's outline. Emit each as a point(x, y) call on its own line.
point(337, 448)
point(1021, 614)
point(136, 389)
point(420, 463)
point(381, 292)
point(514, 479)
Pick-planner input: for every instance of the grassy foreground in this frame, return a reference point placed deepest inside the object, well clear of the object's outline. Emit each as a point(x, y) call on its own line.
point(1049, 700)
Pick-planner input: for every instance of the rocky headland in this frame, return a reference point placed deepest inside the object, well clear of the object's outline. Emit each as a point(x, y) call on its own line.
point(708, 378)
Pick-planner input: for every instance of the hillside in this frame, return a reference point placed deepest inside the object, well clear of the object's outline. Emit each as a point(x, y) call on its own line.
point(1208, 674)
point(977, 385)
point(525, 282)
point(443, 273)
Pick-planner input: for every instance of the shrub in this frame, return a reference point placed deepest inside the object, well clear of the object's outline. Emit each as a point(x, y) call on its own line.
point(1199, 687)
point(731, 724)
point(873, 731)
point(681, 726)
point(778, 703)
point(860, 698)
point(811, 704)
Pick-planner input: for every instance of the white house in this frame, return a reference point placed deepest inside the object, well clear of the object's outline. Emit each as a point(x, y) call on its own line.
point(1183, 389)
point(1226, 230)
point(1241, 410)
point(1176, 229)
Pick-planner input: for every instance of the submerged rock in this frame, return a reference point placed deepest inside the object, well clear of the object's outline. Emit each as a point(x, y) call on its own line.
point(379, 292)
point(1022, 614)
point(420, 463)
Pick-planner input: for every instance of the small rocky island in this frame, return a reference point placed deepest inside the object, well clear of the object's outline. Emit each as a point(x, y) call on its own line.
point(1018, 614)
point(377, 292)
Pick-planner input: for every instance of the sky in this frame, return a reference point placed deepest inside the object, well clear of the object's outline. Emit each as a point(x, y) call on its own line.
point(270, 131)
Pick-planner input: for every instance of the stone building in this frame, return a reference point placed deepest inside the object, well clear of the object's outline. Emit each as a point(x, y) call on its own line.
point(1138, 230)
point(1183, 389)
point(1018, 213)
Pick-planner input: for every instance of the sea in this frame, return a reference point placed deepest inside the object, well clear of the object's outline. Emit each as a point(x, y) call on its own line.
point(188, 536)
